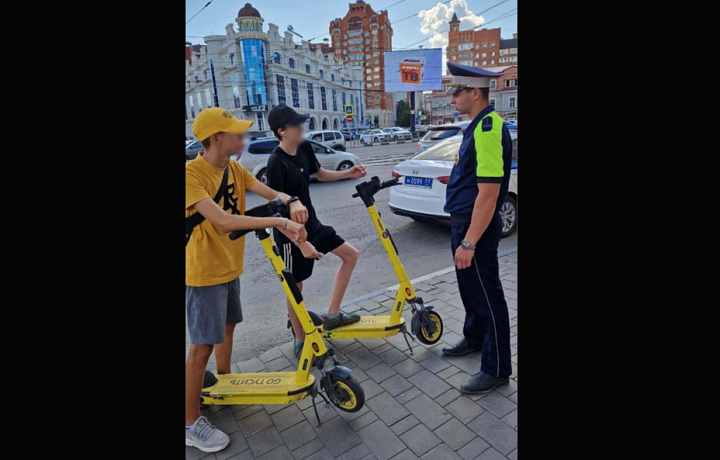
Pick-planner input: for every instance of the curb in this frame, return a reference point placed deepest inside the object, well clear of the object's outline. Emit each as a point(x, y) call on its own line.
point(444, 271)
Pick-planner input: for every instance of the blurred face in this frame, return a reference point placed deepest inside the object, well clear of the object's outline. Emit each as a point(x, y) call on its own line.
point(230, 145)
point(293, 134)
point(465, 100)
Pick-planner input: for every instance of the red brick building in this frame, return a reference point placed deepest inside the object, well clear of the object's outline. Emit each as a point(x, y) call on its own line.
point(361, 38)
point(480, 48)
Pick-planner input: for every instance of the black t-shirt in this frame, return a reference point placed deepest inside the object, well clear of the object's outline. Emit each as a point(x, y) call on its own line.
point(291, 174)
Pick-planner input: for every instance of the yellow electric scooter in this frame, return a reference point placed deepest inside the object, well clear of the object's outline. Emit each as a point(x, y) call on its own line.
point(341, 388)
point(426, 324)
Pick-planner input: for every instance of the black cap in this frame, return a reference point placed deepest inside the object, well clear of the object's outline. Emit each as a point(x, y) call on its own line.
point(282, 115)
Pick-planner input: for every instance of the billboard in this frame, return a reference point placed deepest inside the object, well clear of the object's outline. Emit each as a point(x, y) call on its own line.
point(413, 70)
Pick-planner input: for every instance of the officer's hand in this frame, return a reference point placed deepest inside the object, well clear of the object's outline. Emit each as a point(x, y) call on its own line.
point(296, 232)
point(463, 257)
point(298, 212)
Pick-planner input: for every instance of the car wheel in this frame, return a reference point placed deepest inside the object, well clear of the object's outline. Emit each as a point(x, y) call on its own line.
point(262, 176)
point(376, 140)
point(345, 165)
point(508, 211)
point(339, 147)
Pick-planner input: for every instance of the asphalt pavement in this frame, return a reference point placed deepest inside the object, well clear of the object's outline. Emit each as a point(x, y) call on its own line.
point(424, 248)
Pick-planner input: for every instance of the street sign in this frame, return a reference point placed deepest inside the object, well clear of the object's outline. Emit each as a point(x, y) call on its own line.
point(349, 109)
point(307, 116)
point(456, 114)
point(423, 117)
point(349, 118)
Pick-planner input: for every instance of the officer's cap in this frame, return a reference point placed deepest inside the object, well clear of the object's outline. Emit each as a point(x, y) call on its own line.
point(465, 76)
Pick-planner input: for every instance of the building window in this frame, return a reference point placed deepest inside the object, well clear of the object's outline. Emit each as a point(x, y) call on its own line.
point(307, 68)
point(507, 83)
point(493, 84)
point(352, 99)
point(199, 101)
point(236, 91)
point(344, 36)
point(342, 81)
point(476, 63)
point(204, 74)
point(186, 115)
point(515, 82)
point(232, 58)
point(376, 61)
point(492, 101)
point(343, 99)
point(295, 93)
point(511, 103)
point(322, 73)
point(492, 61)
point(334, 99)
point(197, 80)
point(337, 37)
point(323, 98)
point(311, 96)
point(188, 83)
point(484, 54)
point(453, 49)
point(281, 90)
point(492, 45)
point(332, 77)
point(291, 63)
point(484, 63)
point(484, 45)
point(260, 121)
point(207, 98)
point(492, 53)
point(277, 58)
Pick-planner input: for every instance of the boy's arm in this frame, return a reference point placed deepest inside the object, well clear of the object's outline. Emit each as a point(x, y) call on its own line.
point(227, 223)
point(298, 211)
point(355, 172)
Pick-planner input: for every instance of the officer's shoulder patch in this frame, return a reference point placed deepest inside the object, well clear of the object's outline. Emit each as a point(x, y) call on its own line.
point(487, 124)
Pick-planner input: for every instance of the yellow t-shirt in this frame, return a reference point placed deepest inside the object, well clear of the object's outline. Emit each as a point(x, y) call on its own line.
point(210, 256)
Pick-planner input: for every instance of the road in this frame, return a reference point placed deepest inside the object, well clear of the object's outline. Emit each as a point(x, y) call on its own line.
point(424, 248)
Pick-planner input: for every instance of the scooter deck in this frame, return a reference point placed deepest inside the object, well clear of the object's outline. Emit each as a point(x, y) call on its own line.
point(258, 388)
point(369, 327)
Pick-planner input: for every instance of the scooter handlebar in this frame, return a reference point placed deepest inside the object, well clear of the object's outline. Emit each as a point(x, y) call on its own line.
point(390, 183)
point(274, 208)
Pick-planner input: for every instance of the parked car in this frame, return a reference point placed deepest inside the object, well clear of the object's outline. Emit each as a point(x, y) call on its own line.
point(333, 139)
point(424, 178)
point(373, 135)
point(440, 133)
point(192, 149)
point(396, 134)
point(256, 153)
point(347, 135)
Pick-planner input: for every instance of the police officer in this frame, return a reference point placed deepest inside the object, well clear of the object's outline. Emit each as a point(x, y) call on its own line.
point(476, 191)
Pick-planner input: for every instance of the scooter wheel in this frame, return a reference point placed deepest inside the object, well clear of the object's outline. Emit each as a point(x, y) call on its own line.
point(353, 393)
point(431, 339)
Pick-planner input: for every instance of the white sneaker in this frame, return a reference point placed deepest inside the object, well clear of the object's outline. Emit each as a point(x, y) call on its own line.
point(206, 437)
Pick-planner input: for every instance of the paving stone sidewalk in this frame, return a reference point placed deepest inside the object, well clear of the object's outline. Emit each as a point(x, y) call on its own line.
point(413, 408)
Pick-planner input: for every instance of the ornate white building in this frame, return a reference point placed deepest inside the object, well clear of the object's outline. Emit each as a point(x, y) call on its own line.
point(251, 71)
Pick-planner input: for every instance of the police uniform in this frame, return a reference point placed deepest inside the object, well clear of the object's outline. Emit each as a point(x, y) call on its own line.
point(485, 156)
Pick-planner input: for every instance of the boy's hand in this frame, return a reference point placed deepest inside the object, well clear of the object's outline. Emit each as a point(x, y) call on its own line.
point(357, 172)
point(309, 251)
point(298, 212)
point(296, 232)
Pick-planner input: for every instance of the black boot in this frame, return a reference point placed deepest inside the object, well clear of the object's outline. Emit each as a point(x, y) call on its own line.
point(462, 348)
point(482, 383)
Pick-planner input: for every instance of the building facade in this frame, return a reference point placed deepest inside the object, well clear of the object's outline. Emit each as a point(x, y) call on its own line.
point(360, 39)
point(250, 71)
point(479, 48)
point(503, 91)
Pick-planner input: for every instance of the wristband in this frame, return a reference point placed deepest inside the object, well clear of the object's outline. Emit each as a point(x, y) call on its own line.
point(285, 224)
point(291, 199)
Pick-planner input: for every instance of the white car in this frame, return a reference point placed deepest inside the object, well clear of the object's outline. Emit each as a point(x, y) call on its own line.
point(424, 179)
point(442, 132)
point(256, 153)
point(397, 134)
point(333, 139)
point(373, 135)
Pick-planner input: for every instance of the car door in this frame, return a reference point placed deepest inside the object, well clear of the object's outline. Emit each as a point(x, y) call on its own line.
point(326, 160)
point(317, 137)
point(329, 138)
point(258, 154)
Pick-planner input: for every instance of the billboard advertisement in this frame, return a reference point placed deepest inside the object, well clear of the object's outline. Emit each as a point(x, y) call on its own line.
point(413, 70)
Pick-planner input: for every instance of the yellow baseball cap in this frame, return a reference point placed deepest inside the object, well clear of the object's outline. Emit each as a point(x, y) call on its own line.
point(216, 120)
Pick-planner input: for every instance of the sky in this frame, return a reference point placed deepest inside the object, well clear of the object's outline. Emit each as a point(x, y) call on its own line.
point(311, 19)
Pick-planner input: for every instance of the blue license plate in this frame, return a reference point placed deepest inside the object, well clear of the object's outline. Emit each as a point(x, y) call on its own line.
point(418, 181)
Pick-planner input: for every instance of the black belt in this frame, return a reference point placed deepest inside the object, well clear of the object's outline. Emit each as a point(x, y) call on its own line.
point(461, 218)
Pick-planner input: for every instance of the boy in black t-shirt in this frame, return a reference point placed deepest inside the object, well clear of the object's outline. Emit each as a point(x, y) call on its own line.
point(288, 170)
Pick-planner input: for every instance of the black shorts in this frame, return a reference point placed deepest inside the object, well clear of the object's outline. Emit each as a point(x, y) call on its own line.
point(324, 239)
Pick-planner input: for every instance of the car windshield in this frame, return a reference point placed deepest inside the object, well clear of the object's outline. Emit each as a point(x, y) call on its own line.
point(444, 151)
point(436, 135)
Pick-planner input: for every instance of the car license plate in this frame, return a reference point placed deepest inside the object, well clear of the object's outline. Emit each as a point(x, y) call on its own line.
point(418, 181)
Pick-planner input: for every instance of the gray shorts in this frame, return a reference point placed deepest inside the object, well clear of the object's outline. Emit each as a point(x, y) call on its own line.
point(210, 308)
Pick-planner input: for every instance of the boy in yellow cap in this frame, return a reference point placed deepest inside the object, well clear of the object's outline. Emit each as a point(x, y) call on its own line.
point(213, 263)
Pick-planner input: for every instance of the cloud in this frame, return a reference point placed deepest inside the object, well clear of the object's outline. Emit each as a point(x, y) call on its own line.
point(435, 21)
